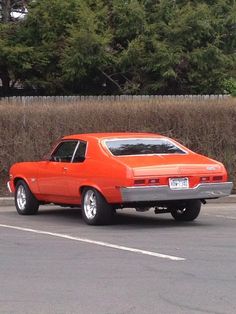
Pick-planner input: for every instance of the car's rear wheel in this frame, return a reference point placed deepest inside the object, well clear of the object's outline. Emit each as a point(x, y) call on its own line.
point(25, 201)
point(95, 209)
point(186, 211)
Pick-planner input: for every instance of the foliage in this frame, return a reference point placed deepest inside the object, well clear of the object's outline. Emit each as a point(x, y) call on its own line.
point(110, 47)
point(230, 86)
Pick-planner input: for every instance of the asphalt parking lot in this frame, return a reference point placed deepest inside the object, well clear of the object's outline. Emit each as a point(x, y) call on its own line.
point(144, 263)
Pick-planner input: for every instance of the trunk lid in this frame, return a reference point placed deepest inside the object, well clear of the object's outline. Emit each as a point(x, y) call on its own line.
point(170, 165)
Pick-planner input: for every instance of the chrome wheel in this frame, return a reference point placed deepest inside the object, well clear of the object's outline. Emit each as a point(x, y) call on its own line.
point(181, 211)
point(90, 204)
point(25, 201)
point(95, 209)
point(21, 197)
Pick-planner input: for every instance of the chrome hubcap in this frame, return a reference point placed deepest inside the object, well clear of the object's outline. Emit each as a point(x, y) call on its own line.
point(181, 211)
point(90, 204)
point(21, 197)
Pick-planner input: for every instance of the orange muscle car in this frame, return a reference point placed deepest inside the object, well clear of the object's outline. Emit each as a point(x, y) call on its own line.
point(104, 172)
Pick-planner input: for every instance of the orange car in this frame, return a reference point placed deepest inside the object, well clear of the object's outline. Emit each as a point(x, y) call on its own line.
point(104, 172)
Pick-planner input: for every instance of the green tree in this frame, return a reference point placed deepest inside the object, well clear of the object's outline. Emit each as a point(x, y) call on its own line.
point(187, 47)
point(88, 53)
point(45, 31)
point(14, 56)
point(131, 46)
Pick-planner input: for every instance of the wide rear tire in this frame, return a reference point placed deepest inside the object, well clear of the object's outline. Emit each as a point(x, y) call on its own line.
point(25, 201)
point(187, 211)
point(95, 209)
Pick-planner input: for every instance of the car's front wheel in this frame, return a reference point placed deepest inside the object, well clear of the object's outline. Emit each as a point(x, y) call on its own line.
point(95, 209)
point(25, 201)
point(186, 211)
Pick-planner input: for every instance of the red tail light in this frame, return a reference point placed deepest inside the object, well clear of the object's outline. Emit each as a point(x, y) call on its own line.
point(153, 181)
point(217, 178)
point(204, 179)
point(146, 181)
point(140, 181)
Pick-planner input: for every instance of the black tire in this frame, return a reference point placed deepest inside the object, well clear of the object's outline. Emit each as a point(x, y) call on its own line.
point(186, 211)
point(95, 209)
point(25, 201)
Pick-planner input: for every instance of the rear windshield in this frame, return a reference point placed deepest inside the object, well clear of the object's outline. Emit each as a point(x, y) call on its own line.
point(125, 147)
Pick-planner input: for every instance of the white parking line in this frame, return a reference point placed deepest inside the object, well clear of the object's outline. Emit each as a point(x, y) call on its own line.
point(113, 246)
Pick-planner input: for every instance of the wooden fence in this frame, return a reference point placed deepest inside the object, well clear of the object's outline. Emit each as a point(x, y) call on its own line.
point(73, 99)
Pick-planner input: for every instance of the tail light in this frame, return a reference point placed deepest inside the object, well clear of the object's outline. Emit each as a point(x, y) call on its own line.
point(153, 181)
point(217, 178)
point(210, 179)
point(139, 182)
point(146, 181)
point(205, 179)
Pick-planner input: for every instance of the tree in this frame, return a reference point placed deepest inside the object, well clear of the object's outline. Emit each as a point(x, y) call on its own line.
point(88, 52)
point(12, 54)
point(110, 47)
point(186, 48)
point(12, 10)
point(46, 30)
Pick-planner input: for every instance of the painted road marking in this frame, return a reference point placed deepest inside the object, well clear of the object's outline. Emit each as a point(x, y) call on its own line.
point(105, 244)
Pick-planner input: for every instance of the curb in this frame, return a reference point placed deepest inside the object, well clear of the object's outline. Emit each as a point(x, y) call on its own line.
point(9, 201)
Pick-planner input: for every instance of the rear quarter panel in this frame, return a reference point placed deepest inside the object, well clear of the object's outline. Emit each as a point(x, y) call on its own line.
point(106, 176)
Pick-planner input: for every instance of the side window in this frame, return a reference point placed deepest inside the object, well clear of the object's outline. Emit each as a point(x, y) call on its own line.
point(64, 151)
point(80, 152)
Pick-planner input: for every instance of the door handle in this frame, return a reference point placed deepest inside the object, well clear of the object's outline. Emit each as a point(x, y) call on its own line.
point(65, 168)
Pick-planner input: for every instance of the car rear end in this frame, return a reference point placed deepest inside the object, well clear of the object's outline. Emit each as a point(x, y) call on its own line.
point(164, 170)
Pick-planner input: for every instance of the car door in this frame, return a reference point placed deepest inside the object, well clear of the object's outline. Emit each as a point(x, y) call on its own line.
point(52, 180)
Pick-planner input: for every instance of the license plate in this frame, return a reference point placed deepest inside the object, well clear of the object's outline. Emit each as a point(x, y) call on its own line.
point(178, 183)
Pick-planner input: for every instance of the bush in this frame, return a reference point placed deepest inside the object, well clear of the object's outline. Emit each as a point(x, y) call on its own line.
point(230, 86)
point(207, 126)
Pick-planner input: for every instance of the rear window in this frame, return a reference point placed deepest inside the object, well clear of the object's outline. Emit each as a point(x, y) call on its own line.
point(125, 147)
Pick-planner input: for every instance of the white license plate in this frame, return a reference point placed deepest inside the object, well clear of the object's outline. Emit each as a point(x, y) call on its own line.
point(178, 183)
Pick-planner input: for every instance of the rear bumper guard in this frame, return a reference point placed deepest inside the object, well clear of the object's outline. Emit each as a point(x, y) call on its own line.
point(164, 193)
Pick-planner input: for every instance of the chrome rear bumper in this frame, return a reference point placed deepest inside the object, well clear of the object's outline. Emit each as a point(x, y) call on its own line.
point(164, 193)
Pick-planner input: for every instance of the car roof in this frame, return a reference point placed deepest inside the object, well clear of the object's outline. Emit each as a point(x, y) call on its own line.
point(100, 136)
